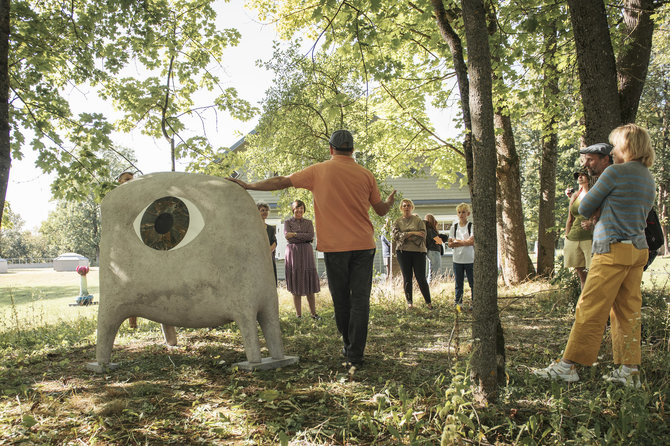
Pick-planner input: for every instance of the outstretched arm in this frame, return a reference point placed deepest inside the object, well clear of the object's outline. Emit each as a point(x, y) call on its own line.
point(383, 207)
point(274, 183)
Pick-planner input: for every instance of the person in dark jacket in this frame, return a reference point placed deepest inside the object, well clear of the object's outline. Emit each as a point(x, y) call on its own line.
point(434, 247)
point(264, 209)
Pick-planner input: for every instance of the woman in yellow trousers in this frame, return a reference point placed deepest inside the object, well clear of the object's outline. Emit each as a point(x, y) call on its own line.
point(624, 194)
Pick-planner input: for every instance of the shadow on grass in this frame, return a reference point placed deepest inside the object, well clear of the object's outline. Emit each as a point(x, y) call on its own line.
point(410, 388)
point(192, 391)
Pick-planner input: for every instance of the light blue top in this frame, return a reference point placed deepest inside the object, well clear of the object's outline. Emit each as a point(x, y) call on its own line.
point(625, 194)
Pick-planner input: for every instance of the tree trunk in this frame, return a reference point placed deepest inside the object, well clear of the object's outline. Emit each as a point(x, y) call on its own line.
point(487, 363)
point(633, 58)
point(5, 152)
point(501, 255)
point(597, 69)
point(546, 231)
point(461, 69)
point(514, 249)
point(663, 215)
point(512, 246)
point(663, 193)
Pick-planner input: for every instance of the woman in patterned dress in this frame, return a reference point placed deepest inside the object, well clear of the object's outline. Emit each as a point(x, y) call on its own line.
point(301, 276)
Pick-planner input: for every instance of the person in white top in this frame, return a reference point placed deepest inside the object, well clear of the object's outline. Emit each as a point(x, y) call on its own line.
point(462, 241)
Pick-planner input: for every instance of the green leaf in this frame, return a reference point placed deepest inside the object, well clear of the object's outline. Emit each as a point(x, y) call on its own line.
point(269, 395)
point(28, 421)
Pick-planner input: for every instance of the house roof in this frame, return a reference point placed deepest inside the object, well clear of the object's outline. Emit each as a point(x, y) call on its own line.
point(423, 190)
point(240, 142)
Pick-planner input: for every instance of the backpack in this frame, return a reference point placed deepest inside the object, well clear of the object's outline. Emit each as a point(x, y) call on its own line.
point(653, 231)
point(470, 227)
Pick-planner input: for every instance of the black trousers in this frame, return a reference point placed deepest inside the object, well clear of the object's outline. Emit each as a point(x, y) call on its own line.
point(350, 282)
point(413, 261)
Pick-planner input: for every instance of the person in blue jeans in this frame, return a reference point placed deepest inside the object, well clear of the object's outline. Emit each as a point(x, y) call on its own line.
point(386, 247)
point(462, 241)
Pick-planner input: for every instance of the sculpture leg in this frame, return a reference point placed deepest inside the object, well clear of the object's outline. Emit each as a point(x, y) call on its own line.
point(268, 318)
point(249, 331)
point(108, 326)
point(170, 334)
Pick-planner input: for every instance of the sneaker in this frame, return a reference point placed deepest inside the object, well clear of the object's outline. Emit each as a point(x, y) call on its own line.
point(625, 375)
point(559, 370)
point(316, 317)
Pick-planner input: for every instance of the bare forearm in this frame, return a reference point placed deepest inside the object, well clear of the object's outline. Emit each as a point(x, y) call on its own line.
point(383, 207)
point(274, 183)
point(457, 243)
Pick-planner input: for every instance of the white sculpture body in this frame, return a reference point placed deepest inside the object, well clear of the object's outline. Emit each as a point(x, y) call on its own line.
point(209, 264)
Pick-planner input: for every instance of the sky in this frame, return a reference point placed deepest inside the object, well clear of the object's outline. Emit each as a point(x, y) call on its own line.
point(29, 191)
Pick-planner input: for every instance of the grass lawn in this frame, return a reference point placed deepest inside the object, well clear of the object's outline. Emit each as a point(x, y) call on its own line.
point(658, 274)
point(42, 296)
point(413, 389)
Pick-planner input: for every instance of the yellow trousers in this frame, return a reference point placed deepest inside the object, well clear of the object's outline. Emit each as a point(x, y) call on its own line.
point(612, 288)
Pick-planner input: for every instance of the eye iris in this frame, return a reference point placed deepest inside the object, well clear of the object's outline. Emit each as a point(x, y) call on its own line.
point(164, 223)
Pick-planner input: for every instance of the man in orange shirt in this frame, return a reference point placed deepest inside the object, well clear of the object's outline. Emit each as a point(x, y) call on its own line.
point(343, 193)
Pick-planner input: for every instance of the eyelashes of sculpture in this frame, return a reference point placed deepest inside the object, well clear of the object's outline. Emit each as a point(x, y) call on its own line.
point(168, 223)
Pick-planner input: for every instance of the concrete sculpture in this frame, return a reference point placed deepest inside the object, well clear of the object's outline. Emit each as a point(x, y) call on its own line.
point(187, 250)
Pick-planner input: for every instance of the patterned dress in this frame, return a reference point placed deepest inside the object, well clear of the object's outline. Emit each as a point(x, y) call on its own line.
point(300, 268)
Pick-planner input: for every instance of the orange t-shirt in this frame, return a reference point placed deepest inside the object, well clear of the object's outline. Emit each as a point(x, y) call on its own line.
point(343, 193)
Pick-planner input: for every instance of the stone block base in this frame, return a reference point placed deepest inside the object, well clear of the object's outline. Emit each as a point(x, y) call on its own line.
point(94, 366)
point(267, 363)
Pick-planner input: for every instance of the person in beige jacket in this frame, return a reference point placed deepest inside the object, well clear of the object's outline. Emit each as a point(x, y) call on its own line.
point(409, 233)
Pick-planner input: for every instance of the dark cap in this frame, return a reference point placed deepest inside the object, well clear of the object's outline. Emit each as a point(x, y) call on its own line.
point(579, 172)
point(601, 148)
point(342, 140)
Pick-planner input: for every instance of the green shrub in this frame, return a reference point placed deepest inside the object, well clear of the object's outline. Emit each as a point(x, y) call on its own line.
point(655, 316)
point(568, 283)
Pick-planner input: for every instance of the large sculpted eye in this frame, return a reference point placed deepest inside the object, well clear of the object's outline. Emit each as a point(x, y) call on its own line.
point(168, 223)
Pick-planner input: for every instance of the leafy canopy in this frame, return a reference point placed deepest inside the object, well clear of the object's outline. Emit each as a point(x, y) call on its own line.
point(394, 55)
point(154, 59)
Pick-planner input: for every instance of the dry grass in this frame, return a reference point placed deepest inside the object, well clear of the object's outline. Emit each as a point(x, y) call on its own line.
point(414, 388)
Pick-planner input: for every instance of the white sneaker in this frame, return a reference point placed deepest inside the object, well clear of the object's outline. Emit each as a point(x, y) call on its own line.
point(559, 370)
point(625, 375)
